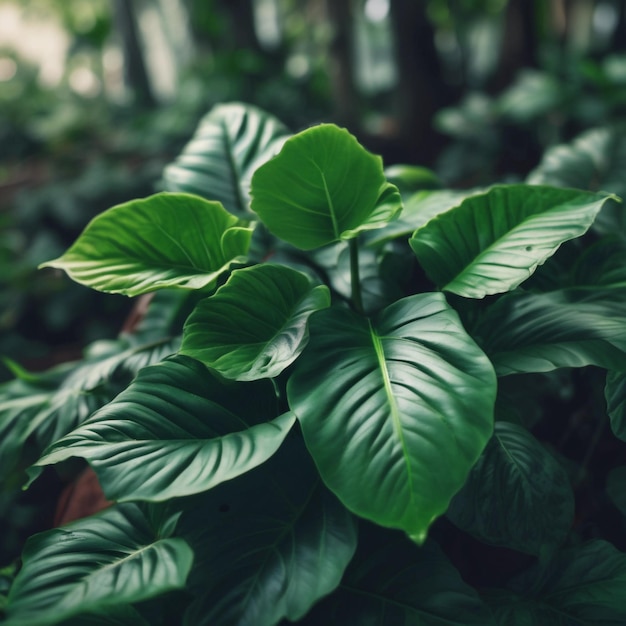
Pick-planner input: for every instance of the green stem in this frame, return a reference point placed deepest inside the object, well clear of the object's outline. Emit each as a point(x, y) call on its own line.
point(355, 280)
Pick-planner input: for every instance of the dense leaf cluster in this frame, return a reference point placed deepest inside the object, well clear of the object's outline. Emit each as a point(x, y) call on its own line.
point(337, 362)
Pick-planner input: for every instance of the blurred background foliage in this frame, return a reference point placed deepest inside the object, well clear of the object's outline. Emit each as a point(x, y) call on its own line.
point(96, 96)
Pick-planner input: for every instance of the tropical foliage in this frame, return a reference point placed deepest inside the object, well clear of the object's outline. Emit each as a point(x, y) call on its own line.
point(338, 388)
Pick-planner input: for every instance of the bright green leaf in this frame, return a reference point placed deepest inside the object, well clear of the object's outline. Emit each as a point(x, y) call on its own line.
point(526, 332)
point(419, 209)
point(517, 495)
point(268, 544)
point(256, 324)
point(176, 430)
point(492, 242)
point(322, 187)
point(231, 142)
point(166, 240)
point(95, 564)
point(395, 411)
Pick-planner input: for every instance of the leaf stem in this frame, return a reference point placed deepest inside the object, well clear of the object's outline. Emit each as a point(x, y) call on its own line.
point(355, 279)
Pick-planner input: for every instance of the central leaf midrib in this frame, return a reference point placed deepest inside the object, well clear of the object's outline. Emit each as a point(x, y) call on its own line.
point(329, 200)
point(391, 400)
point(498, 241)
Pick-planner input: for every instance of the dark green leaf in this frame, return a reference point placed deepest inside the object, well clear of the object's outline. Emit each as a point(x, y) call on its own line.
point(322, 187)
point(582, 586)
point(256, 324)
point(176, 430)
point(269, 544)
point(231, 142)
point(95, 564)
point(615, 393)
point(393, 583)
point(395, 411)
point(525, 332)
point(517, 495)
point(492, 242)
point(595, 160)
point(166, 240)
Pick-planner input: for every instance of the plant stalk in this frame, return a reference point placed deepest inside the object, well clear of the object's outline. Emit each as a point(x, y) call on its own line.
point(355, 280)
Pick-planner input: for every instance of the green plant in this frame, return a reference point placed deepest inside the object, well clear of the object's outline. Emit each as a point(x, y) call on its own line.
point(314, 414)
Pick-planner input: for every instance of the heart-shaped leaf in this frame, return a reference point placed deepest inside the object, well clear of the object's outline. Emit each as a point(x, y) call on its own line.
point(95, 564)
point(323, 186)
point(394, 411)
point(526, 332)
point(175, 431)
point(256, 324)
point(166, 240)
point(517, 495)
point(231, 142)
point(268, 544)
point(492, 242)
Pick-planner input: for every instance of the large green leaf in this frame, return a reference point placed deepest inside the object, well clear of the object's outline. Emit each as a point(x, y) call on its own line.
point(492, 242)
point(231, 142)
point(95, 564)
point(391, 582)
point(395, 411)
point(256, 324)
point(268, 544)
point(419, 208)
point(615, 394)
point(165, 240)
point(582, 586)
point(176, 430)
point(323, 186)
point(526, 332)
point(517, 495)
point(595, 160)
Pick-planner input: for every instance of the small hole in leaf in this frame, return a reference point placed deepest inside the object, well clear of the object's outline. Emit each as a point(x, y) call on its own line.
point(529, 248)
point(224, 508)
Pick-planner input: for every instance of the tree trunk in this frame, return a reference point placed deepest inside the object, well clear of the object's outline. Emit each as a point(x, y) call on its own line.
point(135, 73)
point(421, 90)
point(341, 64)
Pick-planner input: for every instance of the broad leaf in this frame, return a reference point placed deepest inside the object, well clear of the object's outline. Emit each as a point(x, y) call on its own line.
point(395, 411)
point(390, 581)
point(595, 161)
point(582, 586)
point(615, 394)
point(419, 209)
point(517, 495)
point(269, 544)
point(525, 332)
point(166, 240)
point(494, 241)
point(256, 324)
point(231, 142)
point(175, 431)
point(95, 564)
point(323, 186)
